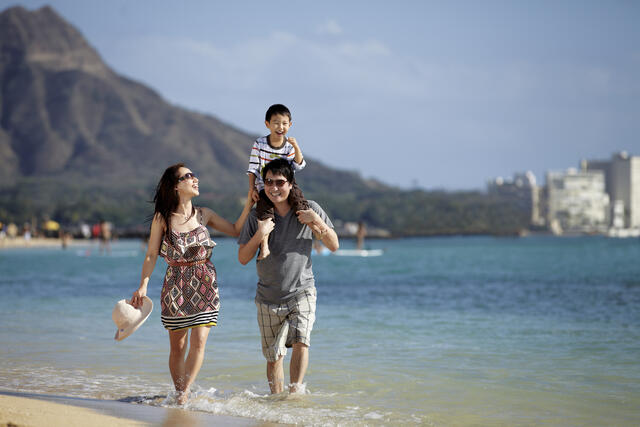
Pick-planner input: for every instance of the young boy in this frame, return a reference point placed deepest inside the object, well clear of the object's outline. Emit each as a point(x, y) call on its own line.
point(265, 149)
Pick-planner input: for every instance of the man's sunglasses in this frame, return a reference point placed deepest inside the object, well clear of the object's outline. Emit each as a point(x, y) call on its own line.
point(189, 175)
point(279, 182)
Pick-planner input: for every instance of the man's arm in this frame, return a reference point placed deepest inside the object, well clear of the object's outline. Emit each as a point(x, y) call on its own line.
point(320, 229)
point(329, 238)
point(248, 250)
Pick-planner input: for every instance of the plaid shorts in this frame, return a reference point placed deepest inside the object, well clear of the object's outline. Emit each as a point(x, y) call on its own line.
point(282, 325)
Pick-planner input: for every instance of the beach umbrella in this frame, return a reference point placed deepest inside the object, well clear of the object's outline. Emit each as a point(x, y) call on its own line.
point(51, 225)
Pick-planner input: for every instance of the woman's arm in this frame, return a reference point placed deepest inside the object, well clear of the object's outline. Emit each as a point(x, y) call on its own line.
point(149, 263)
point(216, 221)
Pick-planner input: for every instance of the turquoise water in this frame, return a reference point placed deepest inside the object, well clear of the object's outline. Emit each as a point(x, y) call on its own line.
point(438, 331)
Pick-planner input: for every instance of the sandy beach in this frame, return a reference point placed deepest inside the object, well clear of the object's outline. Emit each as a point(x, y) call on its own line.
point(35, 410)
point(22, 411)
point(35, 242)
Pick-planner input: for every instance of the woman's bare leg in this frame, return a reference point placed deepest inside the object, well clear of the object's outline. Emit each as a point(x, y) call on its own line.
point(196, 355)
point(178, 343)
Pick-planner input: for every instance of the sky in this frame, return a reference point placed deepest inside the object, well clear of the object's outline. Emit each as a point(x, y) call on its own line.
point(418, 94)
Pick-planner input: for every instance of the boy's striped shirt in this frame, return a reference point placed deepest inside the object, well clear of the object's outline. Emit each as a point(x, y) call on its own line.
point(262, 153)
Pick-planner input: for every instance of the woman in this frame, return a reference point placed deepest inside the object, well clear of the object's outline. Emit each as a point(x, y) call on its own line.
point(189, 297)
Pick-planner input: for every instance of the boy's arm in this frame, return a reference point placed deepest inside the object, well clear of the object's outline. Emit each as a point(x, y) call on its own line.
point(298, 158)
point(254, 169)
point(252, 187)
point(254, 160)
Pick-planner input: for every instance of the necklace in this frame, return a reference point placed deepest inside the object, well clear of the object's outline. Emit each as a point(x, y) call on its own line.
point(184, 216)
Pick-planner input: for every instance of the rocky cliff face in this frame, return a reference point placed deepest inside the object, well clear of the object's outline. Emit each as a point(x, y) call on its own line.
point(78, 141)
point(65, 113)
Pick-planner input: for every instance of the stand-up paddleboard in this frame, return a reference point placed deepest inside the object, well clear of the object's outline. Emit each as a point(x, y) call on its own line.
point(359, 252)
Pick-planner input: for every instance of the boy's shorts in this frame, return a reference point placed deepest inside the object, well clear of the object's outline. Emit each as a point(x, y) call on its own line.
point(282, 325)
point(264, 207)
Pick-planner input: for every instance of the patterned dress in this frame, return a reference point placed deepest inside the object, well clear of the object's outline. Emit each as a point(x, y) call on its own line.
point(189, 296)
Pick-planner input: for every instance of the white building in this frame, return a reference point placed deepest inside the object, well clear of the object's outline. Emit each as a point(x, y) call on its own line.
point(521, 190)
point(622, 183)
point(577, 201)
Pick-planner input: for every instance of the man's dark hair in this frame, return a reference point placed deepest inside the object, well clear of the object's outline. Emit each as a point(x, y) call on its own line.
point(277, 109)
point(279, 167)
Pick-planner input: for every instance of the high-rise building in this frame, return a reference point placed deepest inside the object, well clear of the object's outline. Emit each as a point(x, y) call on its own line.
point(577, 201)
point(522, 190)
point(622, 176)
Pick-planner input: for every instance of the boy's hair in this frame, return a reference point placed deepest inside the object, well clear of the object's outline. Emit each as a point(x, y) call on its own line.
point(279, 166)
point(277, 109)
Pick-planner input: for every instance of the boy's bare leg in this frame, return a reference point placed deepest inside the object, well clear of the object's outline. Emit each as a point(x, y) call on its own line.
point(264, 247)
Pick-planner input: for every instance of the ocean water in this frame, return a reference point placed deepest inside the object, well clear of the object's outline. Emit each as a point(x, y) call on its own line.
point(437, 331)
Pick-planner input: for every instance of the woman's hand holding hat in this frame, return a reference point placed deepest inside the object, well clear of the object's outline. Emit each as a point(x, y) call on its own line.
point(138, 296)
point(128, 318)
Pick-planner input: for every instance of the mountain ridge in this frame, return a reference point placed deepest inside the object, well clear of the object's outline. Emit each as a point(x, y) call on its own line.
point(80, 142)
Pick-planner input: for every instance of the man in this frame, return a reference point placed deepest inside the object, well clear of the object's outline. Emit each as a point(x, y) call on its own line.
point(286, 294)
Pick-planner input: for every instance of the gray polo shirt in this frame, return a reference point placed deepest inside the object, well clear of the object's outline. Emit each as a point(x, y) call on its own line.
point(287, 270)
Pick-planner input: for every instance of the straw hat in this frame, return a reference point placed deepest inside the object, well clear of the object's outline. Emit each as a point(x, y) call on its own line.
point(128, 318)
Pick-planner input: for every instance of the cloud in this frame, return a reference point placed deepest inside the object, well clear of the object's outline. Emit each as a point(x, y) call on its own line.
point(363, 91)
point(329, 27)
point(284, 62)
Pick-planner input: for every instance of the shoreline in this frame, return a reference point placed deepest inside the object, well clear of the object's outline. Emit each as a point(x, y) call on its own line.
point(20, 409)
point(23, 409)
point(35, 242)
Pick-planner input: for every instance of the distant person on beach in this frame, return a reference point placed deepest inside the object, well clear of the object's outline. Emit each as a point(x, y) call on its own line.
point(286, 293)
point(12, 230)
point(189, 299)
point(276, 145)
point(26, 234)
point(360, 235)
point(105, 237)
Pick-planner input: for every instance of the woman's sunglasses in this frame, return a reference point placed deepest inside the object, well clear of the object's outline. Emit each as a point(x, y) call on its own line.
point(189, 175)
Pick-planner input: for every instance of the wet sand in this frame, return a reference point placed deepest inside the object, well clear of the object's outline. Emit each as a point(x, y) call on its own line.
point(24, 409)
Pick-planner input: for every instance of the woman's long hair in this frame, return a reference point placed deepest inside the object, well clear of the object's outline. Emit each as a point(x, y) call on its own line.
point(166, 199)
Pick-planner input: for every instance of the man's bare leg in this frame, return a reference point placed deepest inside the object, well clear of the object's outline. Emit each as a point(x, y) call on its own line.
point(298, 366)
point(275, 375)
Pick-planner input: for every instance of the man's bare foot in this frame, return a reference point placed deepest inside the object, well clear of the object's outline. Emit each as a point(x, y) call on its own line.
point(183, 397)
point(297, 390)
